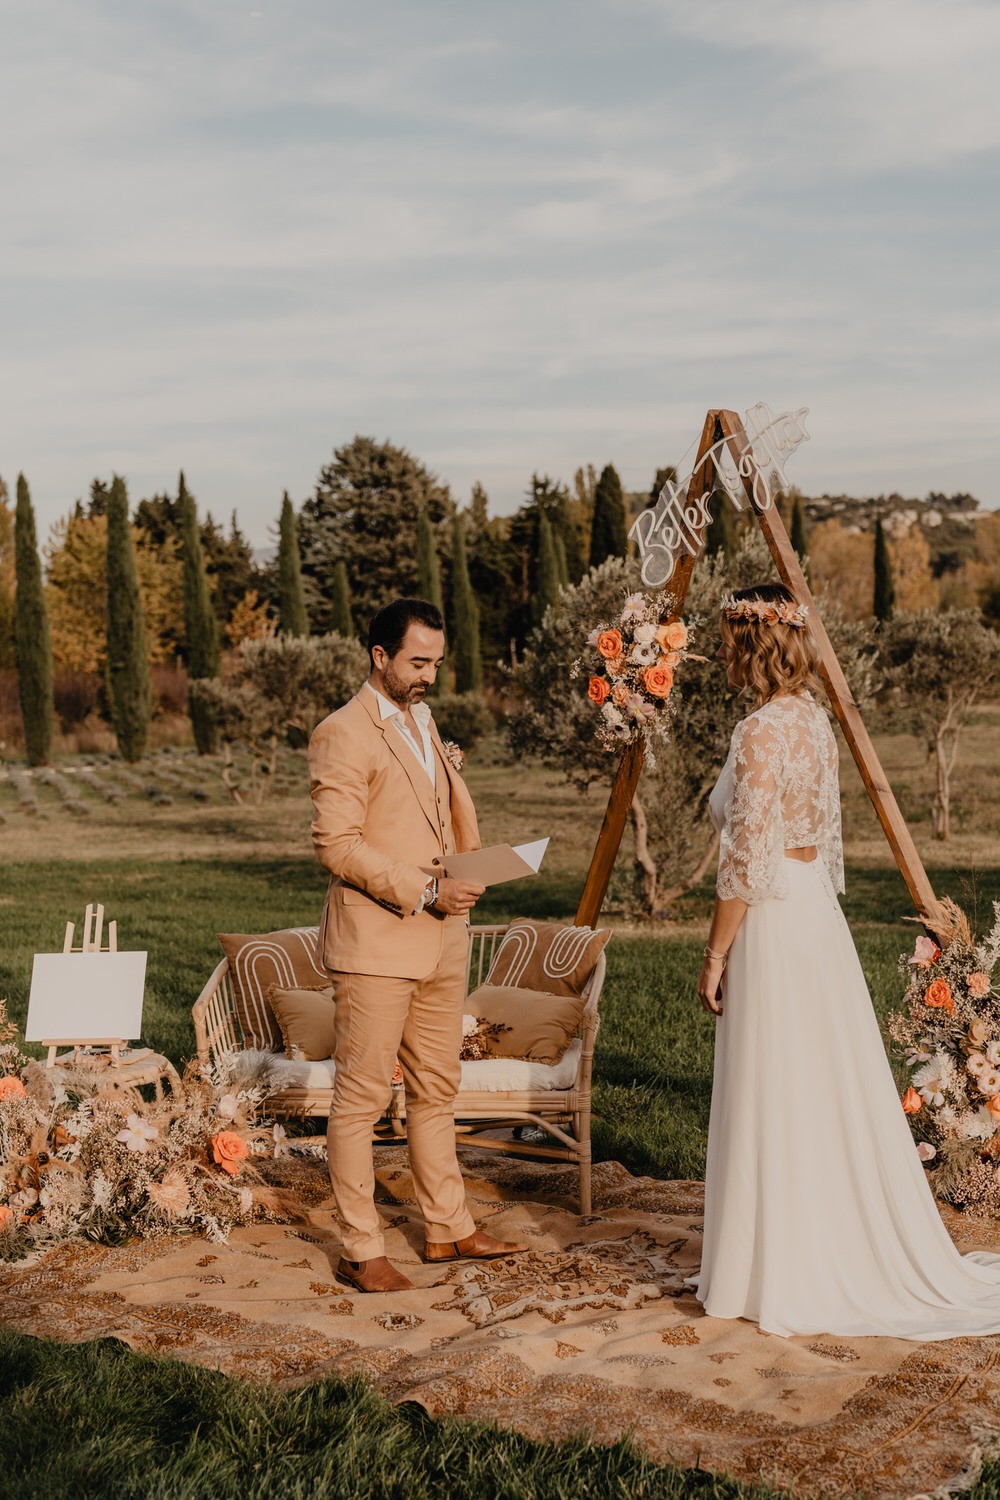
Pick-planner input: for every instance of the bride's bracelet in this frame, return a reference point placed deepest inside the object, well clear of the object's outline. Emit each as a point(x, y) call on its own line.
point(723, 958)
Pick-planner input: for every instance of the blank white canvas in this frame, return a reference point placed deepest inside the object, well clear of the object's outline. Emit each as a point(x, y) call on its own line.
point(79, 997)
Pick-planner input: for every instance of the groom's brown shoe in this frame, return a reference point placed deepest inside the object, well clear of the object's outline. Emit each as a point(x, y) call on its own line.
point(378, 1275)
point(477, 1246)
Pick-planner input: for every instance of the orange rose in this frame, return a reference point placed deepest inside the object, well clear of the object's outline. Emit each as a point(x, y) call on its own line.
point(673, 637)
point(912, 1102)
point(598, 690)
point(229, 1149)
point(12, 1088)
point(993, 1107)
point(6, 1217)
point(659, 680)
point(610, 644)
point(938, 996)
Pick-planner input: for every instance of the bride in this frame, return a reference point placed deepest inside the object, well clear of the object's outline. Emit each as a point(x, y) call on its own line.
point(818, 1218)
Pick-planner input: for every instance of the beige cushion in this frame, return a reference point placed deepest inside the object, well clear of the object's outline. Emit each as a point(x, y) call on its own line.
point(306, 1017)
point(541, 1025)
point(287, 957)
point(547, 956)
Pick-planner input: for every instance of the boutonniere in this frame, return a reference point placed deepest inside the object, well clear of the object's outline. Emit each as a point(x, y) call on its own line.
point(454, 754)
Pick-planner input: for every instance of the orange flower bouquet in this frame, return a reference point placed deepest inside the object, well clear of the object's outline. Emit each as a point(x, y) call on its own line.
point(951, 1035)
point(630, 676)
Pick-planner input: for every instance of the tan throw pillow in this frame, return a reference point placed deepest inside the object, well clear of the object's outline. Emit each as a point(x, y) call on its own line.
point(541, 1025)
point(546, 956)
point(287, 957)
point(306, 1017)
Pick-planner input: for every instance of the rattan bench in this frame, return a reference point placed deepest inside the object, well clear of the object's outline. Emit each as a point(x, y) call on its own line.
point(557, 1099)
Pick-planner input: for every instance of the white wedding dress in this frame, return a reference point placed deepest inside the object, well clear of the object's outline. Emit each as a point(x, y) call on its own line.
point(818, 1218)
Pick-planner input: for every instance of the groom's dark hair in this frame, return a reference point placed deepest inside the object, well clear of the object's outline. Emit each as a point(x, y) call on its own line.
point(389, 626)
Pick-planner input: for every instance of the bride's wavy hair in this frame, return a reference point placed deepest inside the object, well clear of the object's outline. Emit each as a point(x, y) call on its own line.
point(769, 656)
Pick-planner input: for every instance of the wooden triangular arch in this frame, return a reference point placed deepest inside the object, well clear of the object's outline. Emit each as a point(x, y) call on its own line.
point(724, 430)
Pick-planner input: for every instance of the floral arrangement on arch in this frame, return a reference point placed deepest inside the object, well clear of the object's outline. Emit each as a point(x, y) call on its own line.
point(951, 1033)
point(78, 1156)
point(631, 671)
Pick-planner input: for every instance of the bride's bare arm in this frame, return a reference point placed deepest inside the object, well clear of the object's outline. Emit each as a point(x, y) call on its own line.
point(727, 919)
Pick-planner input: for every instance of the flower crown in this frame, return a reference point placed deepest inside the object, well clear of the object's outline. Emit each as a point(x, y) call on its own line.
point(771, 611)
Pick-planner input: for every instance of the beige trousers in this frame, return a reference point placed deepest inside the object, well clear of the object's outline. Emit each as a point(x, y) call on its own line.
point(420, 1020)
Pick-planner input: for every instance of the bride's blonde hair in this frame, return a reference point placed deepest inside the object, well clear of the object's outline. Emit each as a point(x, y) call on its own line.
point(769, 655)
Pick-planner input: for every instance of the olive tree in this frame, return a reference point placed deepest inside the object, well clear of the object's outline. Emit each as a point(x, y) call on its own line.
point(937, 668)
point(277, 692)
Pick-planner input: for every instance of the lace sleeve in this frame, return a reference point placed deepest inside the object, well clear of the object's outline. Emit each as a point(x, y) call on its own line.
point(752, 843)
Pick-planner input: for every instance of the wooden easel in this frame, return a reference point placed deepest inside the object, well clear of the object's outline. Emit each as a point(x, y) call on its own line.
point(725, 426)
point(93, 931)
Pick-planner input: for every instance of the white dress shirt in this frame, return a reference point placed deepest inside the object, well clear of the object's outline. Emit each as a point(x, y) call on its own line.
point(421, 717)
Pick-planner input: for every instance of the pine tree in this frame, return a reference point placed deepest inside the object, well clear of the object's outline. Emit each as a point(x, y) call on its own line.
point(466, 652)
point(885, 593)
point(129, 691)
point(608, 532)
point(428, 566)
point(201, 628)
point(291, 599)
point(721, 533)
point(547, 591)
point(798, 533)
point(32, 646)
point(342, 621)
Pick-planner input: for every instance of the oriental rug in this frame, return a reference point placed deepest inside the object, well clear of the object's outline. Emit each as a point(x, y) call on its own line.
point(593, 1330)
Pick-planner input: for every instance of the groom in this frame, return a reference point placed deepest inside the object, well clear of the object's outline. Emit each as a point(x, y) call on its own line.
point(387, 808)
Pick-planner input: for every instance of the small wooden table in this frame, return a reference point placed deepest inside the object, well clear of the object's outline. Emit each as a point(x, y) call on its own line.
point(120, 1067)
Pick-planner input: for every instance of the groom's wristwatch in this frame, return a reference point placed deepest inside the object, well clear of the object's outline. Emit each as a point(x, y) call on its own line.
point(430, 893)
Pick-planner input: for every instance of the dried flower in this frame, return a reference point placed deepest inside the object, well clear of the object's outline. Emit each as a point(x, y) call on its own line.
point(975, 1038)
point(171, 1194)
point(11, 1087)
point(979, 986)
point(281, 1146)
point(926, 1151)
point(137, 1134)
point(228, 1107)
point(925, 951)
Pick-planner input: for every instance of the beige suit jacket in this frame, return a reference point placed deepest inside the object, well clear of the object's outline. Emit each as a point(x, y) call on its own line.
point(378, 827)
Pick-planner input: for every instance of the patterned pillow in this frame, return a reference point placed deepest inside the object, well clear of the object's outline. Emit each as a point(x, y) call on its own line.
point(547, 956)
point(288, 957)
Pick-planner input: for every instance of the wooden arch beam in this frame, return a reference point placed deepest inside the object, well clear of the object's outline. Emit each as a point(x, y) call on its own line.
point(723, 425)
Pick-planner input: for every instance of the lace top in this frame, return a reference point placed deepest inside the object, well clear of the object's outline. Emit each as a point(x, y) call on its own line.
point(778, 790)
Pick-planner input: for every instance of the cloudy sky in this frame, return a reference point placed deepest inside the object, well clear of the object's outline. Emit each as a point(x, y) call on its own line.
point(509, 235)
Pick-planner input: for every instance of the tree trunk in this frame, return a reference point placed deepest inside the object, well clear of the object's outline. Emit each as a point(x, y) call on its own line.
point(696, 876)
point(645, 864)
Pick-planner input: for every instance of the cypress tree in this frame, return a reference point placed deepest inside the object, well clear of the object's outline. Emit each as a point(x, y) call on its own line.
point(547, 590)
point(562, 561)
point(32, 644)
point(291, 599)
point(798, 533)
point(129, 691)
point(201, 628)
point(465, 612)
point(885, 593)
point(428, 567)
point(608, 536)
point(721, 533)
point(343, 623)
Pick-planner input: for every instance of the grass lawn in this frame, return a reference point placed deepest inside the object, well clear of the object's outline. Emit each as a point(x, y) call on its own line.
point(176, 868)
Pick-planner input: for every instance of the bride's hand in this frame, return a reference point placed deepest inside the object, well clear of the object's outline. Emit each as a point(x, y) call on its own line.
point(710, 986)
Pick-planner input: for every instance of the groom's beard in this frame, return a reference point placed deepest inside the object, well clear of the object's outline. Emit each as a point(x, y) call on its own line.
point(401, 693)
